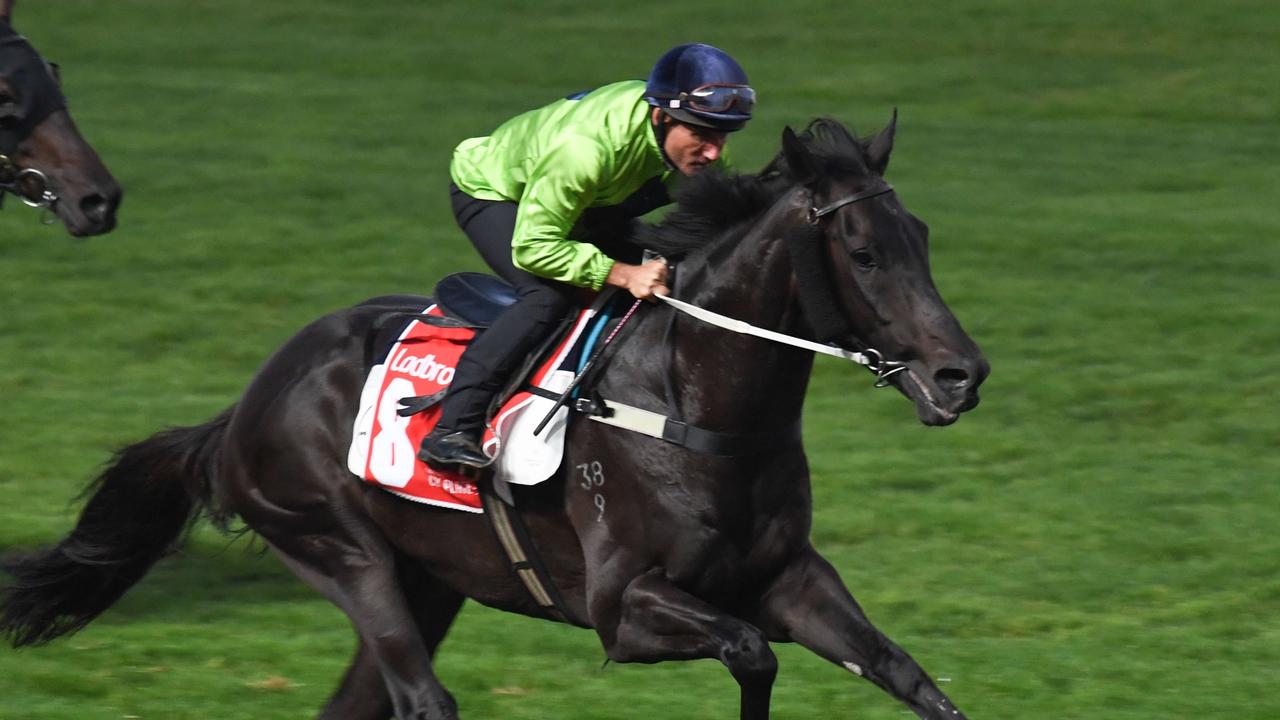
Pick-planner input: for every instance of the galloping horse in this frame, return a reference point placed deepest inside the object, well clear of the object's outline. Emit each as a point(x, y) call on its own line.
point(43, 158)
point(666, 552)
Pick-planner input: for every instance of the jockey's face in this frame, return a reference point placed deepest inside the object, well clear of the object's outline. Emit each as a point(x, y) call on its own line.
point(691, 148)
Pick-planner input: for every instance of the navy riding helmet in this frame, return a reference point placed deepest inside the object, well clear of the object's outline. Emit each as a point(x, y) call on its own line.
point(701, 85)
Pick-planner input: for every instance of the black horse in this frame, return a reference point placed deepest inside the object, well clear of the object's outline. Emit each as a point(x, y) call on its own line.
point(666, 552)
point(43, 158)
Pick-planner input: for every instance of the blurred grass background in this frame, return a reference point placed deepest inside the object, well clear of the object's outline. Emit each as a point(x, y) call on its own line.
point(1097, 540)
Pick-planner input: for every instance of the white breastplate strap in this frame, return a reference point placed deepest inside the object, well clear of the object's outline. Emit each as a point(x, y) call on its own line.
point(632, 418)
point(657, 425)
point(872, 360)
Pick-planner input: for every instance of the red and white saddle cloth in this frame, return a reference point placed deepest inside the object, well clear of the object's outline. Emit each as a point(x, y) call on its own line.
point(384, 445)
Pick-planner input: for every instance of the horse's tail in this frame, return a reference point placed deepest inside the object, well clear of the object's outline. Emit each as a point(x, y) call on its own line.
point(141, 508)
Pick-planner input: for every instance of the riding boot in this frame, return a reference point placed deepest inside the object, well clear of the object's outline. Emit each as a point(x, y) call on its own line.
point(455, 440)
point(483, 369)
point(445, 447)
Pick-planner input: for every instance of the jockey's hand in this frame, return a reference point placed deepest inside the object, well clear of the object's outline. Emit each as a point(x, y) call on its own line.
point(642, 281)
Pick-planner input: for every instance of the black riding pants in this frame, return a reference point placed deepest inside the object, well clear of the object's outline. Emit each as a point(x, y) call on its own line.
point(540, 304)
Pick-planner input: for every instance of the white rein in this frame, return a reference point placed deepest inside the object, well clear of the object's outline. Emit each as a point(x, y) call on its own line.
point(872, 359)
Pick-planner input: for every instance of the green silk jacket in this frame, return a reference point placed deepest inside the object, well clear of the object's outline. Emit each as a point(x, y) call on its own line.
point(589, 150)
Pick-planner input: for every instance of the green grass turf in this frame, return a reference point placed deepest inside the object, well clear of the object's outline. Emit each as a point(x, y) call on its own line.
point(1097, 540)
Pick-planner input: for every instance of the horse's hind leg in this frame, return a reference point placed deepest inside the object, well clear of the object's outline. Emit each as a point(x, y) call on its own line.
point(810, 605)
point(352, 565)
point(363, 695)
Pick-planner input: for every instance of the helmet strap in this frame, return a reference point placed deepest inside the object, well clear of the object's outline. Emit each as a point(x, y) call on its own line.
point(661, 123)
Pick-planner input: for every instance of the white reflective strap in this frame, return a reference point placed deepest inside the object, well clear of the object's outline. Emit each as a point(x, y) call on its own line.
point(745, 328)
point(633, 418)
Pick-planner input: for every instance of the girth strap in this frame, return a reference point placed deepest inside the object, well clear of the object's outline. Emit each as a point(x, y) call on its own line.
point(518, 545)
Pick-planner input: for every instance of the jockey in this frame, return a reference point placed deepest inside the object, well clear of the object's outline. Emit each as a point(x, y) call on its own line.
point(548, 199)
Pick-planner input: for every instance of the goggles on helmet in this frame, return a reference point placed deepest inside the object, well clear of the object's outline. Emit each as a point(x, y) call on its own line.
point(717, 99)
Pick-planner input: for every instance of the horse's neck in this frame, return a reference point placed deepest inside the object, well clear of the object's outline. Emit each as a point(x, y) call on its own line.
point(725, 379)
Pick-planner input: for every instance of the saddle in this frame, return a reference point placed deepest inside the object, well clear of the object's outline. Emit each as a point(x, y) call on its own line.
point(411, 368)
point(474, 298)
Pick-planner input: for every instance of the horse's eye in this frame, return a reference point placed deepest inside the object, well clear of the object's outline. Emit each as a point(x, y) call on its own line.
point(863, 259)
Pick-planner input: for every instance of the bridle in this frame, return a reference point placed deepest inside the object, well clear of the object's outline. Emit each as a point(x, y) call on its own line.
point(30, 185)
point(817, 213)
point(42, 98)
point(883, 368)
point(871, 358)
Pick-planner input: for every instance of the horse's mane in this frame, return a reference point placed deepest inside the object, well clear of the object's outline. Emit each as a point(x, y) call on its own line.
point(708, 206)
point(713, 205)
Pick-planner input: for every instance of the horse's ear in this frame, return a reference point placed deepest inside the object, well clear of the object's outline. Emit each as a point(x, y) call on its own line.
point(801, 164)
point(881, 145)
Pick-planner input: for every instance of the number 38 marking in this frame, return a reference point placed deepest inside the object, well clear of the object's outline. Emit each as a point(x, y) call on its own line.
point(592, 475)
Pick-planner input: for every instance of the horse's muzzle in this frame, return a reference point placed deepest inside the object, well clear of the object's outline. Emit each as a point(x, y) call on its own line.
point(93, 213)
point(942, 395)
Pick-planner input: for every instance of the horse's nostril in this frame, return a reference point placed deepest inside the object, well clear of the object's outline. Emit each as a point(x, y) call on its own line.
point(952, 379)
point(96, 207)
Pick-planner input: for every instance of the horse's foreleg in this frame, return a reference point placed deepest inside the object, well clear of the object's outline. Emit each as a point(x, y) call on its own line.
point(810, 605)
point(657, 621)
